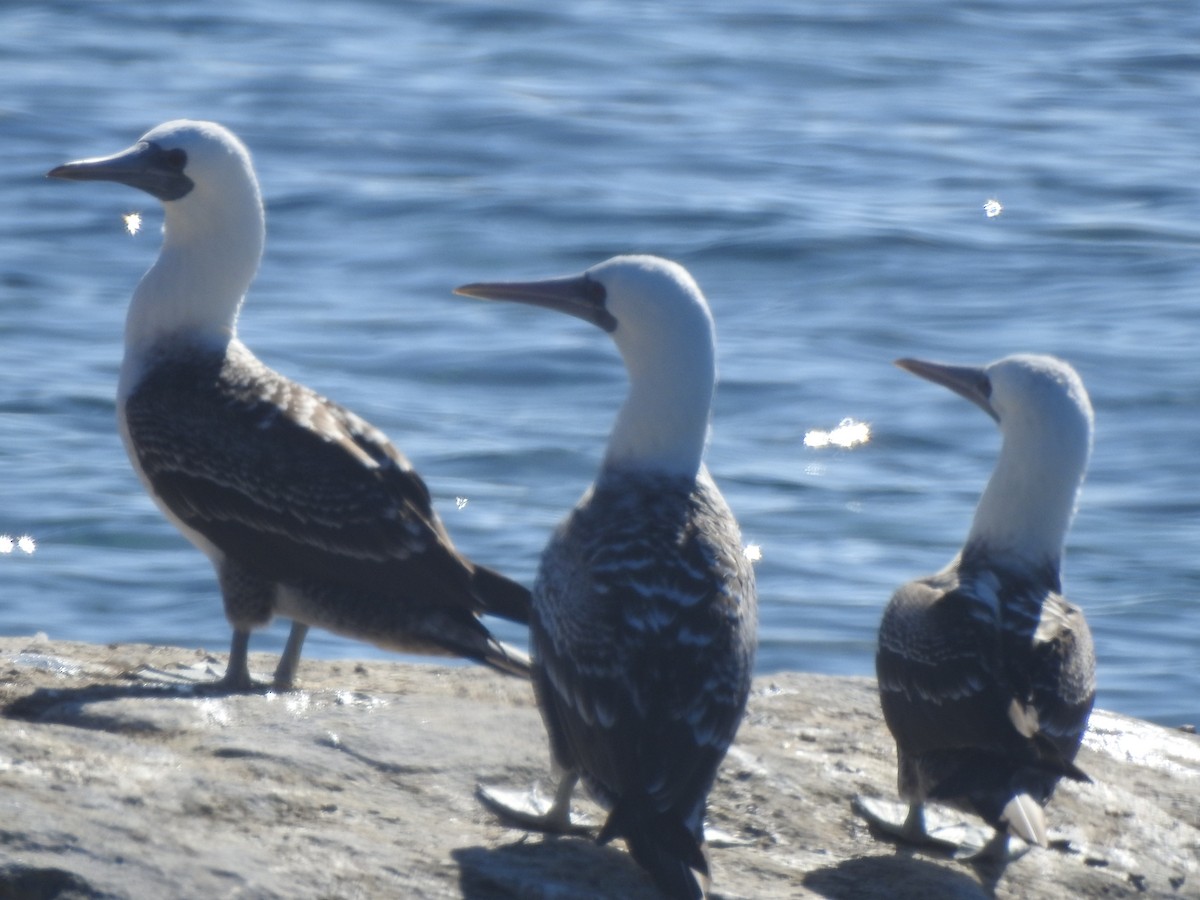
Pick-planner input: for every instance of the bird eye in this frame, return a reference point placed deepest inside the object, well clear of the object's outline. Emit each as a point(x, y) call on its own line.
point(176, 159)
point(595, 292)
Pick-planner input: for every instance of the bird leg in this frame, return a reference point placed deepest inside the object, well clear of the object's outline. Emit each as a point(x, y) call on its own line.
point(913, 830)
point(236, 679)
point(995, 850)
point(285, 672)
point(877, 815)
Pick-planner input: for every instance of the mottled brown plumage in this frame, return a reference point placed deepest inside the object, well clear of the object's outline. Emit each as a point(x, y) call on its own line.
point(644, 610)
point(986, 673)
point(305, 509)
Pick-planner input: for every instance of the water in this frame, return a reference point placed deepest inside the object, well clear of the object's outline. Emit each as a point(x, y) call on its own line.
point(822, 171)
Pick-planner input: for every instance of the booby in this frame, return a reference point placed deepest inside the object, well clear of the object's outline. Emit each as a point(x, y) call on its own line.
point(644, 607)
point(304, 509)
point(986, 672)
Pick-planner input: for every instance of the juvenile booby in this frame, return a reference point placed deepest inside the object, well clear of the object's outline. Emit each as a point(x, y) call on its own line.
point(304, 509)
point(644, 608)
point(986, 672)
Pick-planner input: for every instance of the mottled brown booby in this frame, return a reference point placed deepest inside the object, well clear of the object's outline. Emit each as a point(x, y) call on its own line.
point(644, 609)
point(304, 509)
point(986, 672)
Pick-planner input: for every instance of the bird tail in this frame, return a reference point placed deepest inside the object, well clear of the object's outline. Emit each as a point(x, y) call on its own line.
point(507, 659)
point(1008, 797)
point(1053, 760)
point(1072, 771)
point(662, 845)
point(501, 596)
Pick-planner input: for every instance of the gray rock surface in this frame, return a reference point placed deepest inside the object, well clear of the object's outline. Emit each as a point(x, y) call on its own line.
point(360, 785)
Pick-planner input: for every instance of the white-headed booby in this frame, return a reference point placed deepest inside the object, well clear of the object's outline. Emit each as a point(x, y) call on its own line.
point(986, 672)
point(304, 509)
point(644, 609)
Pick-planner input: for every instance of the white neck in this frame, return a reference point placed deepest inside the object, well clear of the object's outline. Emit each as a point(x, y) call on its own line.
point(1029, 501)
point(210, 254)
point(663, 424)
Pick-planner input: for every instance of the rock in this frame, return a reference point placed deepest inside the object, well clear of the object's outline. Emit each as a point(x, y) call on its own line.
point(361, 785)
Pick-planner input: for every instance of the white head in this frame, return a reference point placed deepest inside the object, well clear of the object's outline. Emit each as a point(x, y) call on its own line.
point(213, 232)
point(1046, 418)
point(663, 328)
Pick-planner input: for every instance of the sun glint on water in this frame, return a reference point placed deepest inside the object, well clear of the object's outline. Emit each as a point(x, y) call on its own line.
point(848, 433)
point(24, 543)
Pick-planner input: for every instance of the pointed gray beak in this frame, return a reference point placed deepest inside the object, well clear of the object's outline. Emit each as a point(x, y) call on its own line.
point(577, 296)
point(967, 381)
point(145, 166)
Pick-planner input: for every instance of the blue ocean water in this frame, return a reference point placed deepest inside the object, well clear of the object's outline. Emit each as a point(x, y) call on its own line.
point(822, 170)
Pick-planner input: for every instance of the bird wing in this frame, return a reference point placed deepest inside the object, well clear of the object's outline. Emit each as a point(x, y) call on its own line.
point(1061, 666)
point(286, 482)
point(985, 661)
point(940, 669)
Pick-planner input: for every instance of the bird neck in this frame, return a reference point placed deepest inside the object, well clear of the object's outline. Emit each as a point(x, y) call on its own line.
point(663, 425)
point(1029, 502)
point(209, 256)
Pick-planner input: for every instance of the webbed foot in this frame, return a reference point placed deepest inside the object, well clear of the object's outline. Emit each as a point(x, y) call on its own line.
point(528, 810)
point(951, 836)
